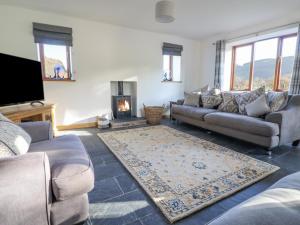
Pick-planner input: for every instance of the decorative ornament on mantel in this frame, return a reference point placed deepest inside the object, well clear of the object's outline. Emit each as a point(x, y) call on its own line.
point(165, 11)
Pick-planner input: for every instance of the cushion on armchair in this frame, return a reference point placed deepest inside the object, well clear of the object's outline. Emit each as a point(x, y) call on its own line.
point(13, 139)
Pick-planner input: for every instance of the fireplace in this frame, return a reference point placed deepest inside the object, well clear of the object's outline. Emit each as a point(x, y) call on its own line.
point(121, 104)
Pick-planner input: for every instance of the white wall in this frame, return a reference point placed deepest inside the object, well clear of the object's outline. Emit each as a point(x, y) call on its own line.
point(207, 50)
point(101, 53)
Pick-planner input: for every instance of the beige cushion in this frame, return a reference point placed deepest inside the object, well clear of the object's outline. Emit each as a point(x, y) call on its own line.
point(258, 107)
point(277, 100)
point(191, 99)
point(211, 99)
point(229, 103)
point(13, 139)
point(245, 98)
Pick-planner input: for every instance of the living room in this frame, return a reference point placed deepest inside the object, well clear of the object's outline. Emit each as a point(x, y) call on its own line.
point(140, 112)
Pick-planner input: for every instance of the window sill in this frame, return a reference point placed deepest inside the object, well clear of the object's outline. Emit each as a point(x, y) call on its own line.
point(170, 81)
point(64, 80)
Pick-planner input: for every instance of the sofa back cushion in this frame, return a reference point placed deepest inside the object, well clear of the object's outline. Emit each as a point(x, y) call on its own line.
point(13, 139)
point(258, 107)
point(191, 99)
point(211, 99)
point(229, 103)
point(277, 100)
point(245, 98)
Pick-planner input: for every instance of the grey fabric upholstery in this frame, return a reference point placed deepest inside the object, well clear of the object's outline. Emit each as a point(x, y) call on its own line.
point(71, 211)
point(191, 111)
point(243, 123)
point(269, 142)
point(49, 184)
point(38, 131)
point(278, 205)
point(71, 168)
point(288, 121)
point(24, 190)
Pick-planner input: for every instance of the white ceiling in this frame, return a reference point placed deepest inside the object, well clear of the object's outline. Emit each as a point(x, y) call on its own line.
point(194, 18)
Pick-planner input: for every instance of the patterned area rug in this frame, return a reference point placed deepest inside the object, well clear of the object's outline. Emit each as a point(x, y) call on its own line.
point(182, 173)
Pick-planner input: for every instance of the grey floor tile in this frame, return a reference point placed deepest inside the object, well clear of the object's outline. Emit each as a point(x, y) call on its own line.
point(127, 183)
point(105, 189)
point(107, 171)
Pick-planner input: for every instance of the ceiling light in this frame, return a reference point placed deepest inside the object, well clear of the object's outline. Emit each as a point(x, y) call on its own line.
point(164, 11)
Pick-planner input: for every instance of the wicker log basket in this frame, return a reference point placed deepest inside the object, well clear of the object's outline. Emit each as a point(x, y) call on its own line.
point(153, 114)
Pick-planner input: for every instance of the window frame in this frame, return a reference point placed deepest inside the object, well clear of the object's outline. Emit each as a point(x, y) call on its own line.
point(42, 60)
point(278, 64)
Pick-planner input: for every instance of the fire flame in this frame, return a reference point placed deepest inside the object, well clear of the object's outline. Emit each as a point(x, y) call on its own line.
point(123, 105)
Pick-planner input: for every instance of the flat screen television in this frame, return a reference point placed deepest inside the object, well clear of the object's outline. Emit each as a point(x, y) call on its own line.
point(21, 80)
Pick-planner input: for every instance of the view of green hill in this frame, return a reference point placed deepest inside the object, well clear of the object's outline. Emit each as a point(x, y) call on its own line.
point(264, 71)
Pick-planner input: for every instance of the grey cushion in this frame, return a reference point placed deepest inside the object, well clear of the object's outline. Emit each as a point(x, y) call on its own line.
point(190, 111)
point(277, 100)
point(247, 97)
point(192, 99)
point(243, 123)
point(13, 139)
point(278, 205)
point(258, 107)
point(71, 168)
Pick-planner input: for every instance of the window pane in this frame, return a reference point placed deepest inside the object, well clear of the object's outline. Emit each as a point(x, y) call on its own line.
point(242, 67)
point(265, 54)
point(288, 57)
point(166, 66)
point(56, 66)
point(176, 68)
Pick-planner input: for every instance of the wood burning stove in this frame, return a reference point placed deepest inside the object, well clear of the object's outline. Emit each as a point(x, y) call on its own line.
point(121, 104)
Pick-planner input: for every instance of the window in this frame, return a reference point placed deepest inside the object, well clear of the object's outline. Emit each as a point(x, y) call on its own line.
point(56, 62)
point(172, 67)
point(266, 63)
point(171, 62)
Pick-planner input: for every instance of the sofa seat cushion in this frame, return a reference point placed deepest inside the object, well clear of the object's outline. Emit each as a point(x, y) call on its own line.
point(243, 123)
point(72, 172)
point(278, 205)
point(192, 112)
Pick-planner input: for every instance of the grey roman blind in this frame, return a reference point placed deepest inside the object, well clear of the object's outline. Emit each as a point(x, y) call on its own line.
point(172, 49)
point(49, 34)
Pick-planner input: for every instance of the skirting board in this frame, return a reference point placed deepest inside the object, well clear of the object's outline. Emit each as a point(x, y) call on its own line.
point(76, 126)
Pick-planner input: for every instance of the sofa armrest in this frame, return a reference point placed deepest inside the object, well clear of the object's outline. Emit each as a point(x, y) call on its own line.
point(288, 121)
point(38, 131)
point(24, 189)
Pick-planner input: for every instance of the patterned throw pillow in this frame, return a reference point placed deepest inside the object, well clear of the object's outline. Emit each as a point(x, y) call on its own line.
point(14, 140)
point(211, 99)
point(277, 100)
point(191, 99)
point(245, 98)
point(229, 103)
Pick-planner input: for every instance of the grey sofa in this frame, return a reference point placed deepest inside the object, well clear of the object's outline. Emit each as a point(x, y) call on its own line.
point(275, 129)
point(277, 205)
point(49, 184)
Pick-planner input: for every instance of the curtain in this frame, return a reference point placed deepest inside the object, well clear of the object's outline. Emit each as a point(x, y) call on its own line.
point(49, 34)
point(172, 49)
point(295, 81)
point(219, 63)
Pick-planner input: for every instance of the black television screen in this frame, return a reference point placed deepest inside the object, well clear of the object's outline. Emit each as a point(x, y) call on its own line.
point(21, 80)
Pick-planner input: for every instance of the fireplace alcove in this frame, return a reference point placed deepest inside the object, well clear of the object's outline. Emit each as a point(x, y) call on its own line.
point(123, 102)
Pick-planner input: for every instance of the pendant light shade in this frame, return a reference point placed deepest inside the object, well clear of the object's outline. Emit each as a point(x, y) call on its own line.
point(165, 11)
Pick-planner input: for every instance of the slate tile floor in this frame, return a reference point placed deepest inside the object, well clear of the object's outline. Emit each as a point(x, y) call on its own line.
point(117, 199)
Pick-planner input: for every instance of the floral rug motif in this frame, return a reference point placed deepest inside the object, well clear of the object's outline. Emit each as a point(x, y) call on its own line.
point(182, 173)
